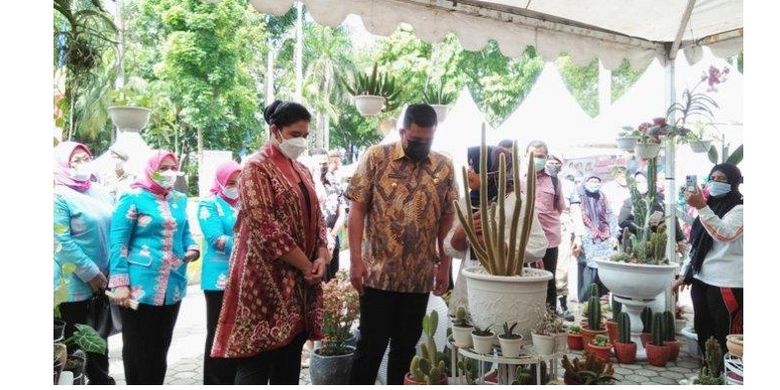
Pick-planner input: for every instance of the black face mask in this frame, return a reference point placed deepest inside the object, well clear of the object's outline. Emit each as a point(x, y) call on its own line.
point(417, 150)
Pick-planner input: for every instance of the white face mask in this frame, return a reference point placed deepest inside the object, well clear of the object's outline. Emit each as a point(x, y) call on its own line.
point(293, 147)
point(231, 192)
point(592, 187)
point(81, 172)
point(165, 179)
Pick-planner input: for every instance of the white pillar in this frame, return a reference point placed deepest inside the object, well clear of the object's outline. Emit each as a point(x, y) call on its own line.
point(671, 189)
point(299, 53)
point(605, 88)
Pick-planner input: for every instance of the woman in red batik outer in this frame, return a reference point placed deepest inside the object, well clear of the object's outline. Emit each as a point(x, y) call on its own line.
point(273, 298)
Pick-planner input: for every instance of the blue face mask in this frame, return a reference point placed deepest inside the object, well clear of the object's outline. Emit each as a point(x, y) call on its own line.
point(540, 163)
point(717, 188)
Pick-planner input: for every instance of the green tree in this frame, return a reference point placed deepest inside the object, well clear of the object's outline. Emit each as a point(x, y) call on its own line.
point(582, 82)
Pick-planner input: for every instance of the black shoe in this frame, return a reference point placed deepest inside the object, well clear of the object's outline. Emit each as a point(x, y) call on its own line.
point(565, 315)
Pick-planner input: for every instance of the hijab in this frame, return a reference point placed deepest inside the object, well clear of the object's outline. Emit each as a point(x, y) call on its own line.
point(224, 171)
point(62, 170)
point(594, 212)
point(152, 166)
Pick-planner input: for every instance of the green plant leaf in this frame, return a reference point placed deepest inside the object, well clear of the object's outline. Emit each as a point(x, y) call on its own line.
point(736, 157)
point(87, 339)
point(713, 155)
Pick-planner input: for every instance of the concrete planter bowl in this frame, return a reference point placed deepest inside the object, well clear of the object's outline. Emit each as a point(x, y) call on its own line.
point(128, 117)
point(331, 370)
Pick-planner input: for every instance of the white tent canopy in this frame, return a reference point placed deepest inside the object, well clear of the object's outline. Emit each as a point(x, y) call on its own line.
point(549, 113)
point(636, 30)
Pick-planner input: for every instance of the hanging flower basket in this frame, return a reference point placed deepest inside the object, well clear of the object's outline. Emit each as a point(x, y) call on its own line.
point(626, 143)
point(647, 151)
point(441, 111)
point(369, 105)
point(700, 146)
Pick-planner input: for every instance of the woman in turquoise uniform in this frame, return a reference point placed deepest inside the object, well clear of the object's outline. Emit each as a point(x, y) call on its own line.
point(151, 245)
point(82, 220)
point(217, 215)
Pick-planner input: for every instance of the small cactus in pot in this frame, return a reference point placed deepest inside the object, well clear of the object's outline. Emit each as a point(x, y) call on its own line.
point(657, 352)
point(647, 324)
point(625, 349)
point(670, 339)
point(462, 328)
point(428, 367)
point(594, 318)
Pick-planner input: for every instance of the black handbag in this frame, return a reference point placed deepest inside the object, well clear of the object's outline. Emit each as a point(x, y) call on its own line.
point(103, 316)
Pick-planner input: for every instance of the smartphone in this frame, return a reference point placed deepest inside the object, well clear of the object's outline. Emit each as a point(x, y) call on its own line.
point(690, 183)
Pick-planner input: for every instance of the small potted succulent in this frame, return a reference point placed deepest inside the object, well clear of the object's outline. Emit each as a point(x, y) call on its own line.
point(574, 338)
point(734, 345)
point(627, 138)
point(625, 349)
point(712, 371)
point(594, 325)
point(483, 340)
point(428, 366)
point(511, 342)
point(591, 371)
point(612, 325)
point(545, 332)
point(462, 328)
point(647, 324)
point(601, 347)
point(670, 339)
point(441, 101)
point(657, 352)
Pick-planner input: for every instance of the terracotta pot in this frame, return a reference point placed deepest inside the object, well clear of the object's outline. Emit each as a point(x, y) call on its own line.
point(588, 335)
point(602, 353)
point(674, 349)
point(625, 353)
point(734, 345)
point(657, 355)
point(646, 338)
point(575, 342)
point(409, 381)
point(612, 331)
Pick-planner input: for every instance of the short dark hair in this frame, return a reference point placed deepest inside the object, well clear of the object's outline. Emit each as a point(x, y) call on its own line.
point(284, 114)
point(537, 144)
point(421, 115)
point(507, 144)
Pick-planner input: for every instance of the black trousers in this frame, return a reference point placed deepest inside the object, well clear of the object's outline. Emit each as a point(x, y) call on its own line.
point(282, 366)
point(216, 371)
point(585, 277)
point(146, 337)
point(333, 267)
point(550, 261)
point(711, 318)
point(97, 365)
point(393, 316)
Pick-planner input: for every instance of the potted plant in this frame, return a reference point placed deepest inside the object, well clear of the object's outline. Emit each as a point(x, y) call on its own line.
point(625, 349)
point(483, 339)
point(657, 352)
point(712, 371)
point(428, 366)
point(591, 371)
point(331, 363)
point(647, 147)
point(60, 358)
point(524, 376)
point(502, 289)
point(594, 325)
point(544, 334)
point(611, 323)
point(574, 338)
point(76, 364)
point(600, 347)
point(374, 92)
point(627, 138)
point(669, 336)
point(647, 325)
point(511, 342)
point(441, 101)
point(696, 139)
point(462, 328)
point(734, 345)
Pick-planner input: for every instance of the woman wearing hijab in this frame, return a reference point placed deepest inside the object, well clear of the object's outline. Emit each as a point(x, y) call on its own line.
point(456, 242)
point(82, 221)
point(217, 215)
point(715, 268)
point(273, 297)
point(595, 234)
point(151, 245)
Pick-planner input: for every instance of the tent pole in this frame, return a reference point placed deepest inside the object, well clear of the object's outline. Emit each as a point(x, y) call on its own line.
point(670, 198)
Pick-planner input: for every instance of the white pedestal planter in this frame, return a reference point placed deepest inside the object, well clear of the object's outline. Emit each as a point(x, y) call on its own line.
point(647, 151)
point(543, 345)
point(626, 143)
point(441, 111)
point(511, 348)
point(635, 286)
point(483, 344)
point(494, 300)
point(462, 336)
point(700, 146)
point(128, 117)
point(369, 105)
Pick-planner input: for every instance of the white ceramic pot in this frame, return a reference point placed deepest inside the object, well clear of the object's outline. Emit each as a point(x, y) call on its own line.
point(126, 117)
point(462, 336)
point(700, 146)
point(647, 151)
point(499, 299)
point(561, 342)
point(511, 347)
point(369, 105)
point(483, 344)
point(441, 111)
point(543, 345)
point(626, 143)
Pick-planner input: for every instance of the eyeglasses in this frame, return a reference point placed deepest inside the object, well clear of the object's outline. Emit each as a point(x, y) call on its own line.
point(81, 159)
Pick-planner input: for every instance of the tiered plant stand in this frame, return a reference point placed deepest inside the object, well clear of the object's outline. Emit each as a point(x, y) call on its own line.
point(507, 367)
point(732, 369)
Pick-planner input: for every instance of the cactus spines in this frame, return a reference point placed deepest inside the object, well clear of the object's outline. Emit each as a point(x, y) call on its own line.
point(461, 317)
point(647, 319)
point(658, 329)
point(669, 328)
point(428, 366)
point(626, 241)
point(594, 309)
point(624, 328)
point(523, 376)
point(492, 252)
point(415, 370)
point(712, 372)
point(617, 307)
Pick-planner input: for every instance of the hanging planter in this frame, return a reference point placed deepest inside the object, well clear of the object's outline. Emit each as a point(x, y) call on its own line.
point(626, 143)
point(129, 118)
point(441, 111)
point(647, 151)
point(374, 93)
point(369, 105)
point(441, 101)
point(700, 146)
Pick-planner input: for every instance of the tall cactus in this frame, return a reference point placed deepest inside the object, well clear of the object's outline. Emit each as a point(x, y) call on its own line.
point(647, 319)
point(594, 308)
point(669, 328)
point(617, 308)
point(659, 329)
point(713, 356)
point(624, 328)
point(492, 253)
